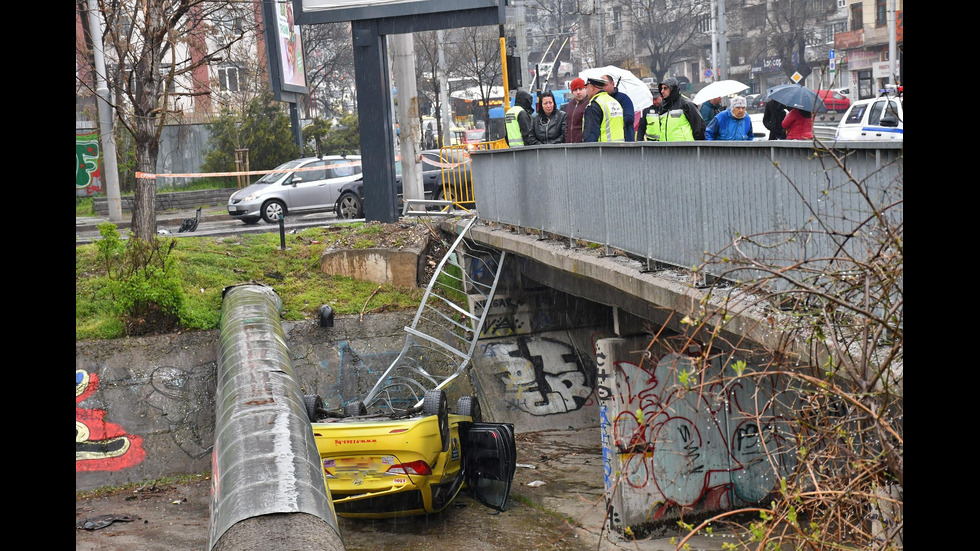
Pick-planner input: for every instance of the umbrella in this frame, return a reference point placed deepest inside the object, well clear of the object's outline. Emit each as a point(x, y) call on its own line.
point(719, 89)
point(627, 83)
point(794, 96)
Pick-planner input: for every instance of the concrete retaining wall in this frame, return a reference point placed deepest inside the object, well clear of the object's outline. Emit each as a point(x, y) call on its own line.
point(171, 201)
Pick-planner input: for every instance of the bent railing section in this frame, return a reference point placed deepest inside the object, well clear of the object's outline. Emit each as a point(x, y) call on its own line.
point(268, 490)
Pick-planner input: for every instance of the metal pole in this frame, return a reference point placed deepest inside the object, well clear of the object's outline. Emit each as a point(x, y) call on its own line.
point(714, 39)
point(403, 54)
point(520, 33)
point(444, 94)
point(892, 47)
point(722, 41)
point(105, 116)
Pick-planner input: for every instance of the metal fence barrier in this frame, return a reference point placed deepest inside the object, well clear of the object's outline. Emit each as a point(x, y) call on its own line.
point(674, 203)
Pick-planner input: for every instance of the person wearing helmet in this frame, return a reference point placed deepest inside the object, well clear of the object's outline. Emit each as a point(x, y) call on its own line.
point(517, 121)
point(680, 119)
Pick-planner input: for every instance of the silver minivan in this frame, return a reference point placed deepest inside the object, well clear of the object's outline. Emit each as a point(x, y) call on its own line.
point(311, 184)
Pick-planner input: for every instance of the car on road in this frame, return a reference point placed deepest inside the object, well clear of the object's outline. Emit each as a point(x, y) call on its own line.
point(759, 130)
point(753, 101)
point(873, 119)
point(832, 101)
point(440, 171)
point(310, 184)
point(391, 465)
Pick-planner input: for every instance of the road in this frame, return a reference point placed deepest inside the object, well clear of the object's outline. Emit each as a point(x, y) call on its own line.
point(214, 221)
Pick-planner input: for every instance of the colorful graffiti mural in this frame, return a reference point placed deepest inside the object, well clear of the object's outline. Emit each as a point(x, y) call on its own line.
point(677, 450)
point(100, 446)
point(88, 176)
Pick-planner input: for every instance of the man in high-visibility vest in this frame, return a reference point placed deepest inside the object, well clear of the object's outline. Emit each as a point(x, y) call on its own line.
point(680, 119)
point(517, 121)
point(604, 115)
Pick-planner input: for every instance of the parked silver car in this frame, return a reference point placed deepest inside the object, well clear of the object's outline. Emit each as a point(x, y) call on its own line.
point(311, 184)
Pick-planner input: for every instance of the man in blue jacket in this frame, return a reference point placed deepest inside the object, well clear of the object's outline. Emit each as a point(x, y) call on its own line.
point(731, 124)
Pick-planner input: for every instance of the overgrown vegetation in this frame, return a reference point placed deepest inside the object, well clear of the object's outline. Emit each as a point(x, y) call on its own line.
point(117, 281)
point(263, 129)
point(326, 137)
point(831, 430)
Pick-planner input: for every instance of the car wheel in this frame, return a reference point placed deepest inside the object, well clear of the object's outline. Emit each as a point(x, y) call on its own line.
point(314, 404)
point(355, 409)
point(469, 405)
point(250, 221)
point(349, 206)
point(436, 403)
point(273, 211)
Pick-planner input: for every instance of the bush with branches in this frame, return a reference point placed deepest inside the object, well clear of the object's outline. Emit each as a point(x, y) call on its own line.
point(263, 128)
point(836, 451)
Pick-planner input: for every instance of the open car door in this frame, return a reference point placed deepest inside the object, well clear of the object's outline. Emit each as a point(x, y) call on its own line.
point(490, 459)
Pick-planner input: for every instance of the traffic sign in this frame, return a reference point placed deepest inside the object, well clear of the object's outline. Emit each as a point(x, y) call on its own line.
point(797, 77)
point(707, 73)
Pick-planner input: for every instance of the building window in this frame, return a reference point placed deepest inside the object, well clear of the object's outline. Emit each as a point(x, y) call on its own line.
point(857, 17)
point(834, 28)
point(881, 13)
point(704, 23)
point(610, 41)
point(841, 4)
point(617, 19)
point(228, 79)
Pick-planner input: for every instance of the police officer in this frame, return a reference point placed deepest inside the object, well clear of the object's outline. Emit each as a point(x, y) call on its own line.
point(680, 119)
point(603, 116)
point(517, 121)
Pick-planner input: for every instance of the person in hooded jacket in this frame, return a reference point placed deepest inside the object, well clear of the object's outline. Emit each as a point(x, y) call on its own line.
point(517, 121)
point(798, 124)
point(680, 118)
point(731, 124)
point(548, 123)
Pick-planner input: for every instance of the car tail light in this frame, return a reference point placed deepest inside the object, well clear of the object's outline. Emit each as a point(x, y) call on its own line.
point(415, 467)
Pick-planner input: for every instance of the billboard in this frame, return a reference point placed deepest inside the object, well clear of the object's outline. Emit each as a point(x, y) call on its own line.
point(285, 46)
point(332, 11)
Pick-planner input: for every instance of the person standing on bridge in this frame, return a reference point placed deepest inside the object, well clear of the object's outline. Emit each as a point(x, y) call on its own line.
point(603, 115)
point(548, 124)
point(649, 123)
point(731, 124)
point(518, 121)
point(629, 129)
point(575, 111)
point(680, 120)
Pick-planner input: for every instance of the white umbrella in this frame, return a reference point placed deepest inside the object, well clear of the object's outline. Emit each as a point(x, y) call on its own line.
point(627, 83)
point(719, 89)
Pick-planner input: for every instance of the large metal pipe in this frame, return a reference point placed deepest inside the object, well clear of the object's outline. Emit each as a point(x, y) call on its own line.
point(268, 490)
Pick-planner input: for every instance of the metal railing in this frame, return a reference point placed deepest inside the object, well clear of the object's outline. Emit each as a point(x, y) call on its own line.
point(457, 174)
point(675, 203)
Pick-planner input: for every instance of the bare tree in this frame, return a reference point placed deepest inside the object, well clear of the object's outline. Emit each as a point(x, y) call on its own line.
point(790, 29)
point(329, 55)
point(479, 55)
point(667, 29)
point(832, 437)
point(157, 57)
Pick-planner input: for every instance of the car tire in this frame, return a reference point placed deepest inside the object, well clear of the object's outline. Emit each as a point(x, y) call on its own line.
point(273, 210)
point(349, 206)
point(314, 404)
point(251, 221)
point(436, 403)
point(355, 409)
point(470, 406)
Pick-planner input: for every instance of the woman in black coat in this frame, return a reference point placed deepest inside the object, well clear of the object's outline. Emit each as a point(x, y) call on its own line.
point(548, 124)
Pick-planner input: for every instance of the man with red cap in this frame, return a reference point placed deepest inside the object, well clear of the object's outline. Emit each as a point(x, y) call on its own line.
point(575, 111)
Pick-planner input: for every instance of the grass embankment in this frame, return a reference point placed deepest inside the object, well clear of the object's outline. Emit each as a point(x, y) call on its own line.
point(207, 265)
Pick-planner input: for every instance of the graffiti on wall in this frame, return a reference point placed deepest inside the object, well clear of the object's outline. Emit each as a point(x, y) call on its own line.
point(88, 177)
point(186, 400)
point(676, 449)
point(541, 376)
point(100, 446)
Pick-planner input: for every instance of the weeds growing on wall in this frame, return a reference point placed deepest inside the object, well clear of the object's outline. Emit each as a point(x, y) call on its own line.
point(832, 439)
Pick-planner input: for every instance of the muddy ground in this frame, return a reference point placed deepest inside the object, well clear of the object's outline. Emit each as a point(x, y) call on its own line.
point(565, 513)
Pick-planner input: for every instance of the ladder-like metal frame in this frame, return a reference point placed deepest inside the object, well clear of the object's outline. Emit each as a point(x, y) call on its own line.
point(442, 333)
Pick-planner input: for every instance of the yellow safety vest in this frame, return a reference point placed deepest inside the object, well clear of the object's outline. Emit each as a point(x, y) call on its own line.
point(611, 128)
point(674, 127)
point(514, 136)
point(653, 127)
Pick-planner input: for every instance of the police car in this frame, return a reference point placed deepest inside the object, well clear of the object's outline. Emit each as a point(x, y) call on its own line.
point(875, 119)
